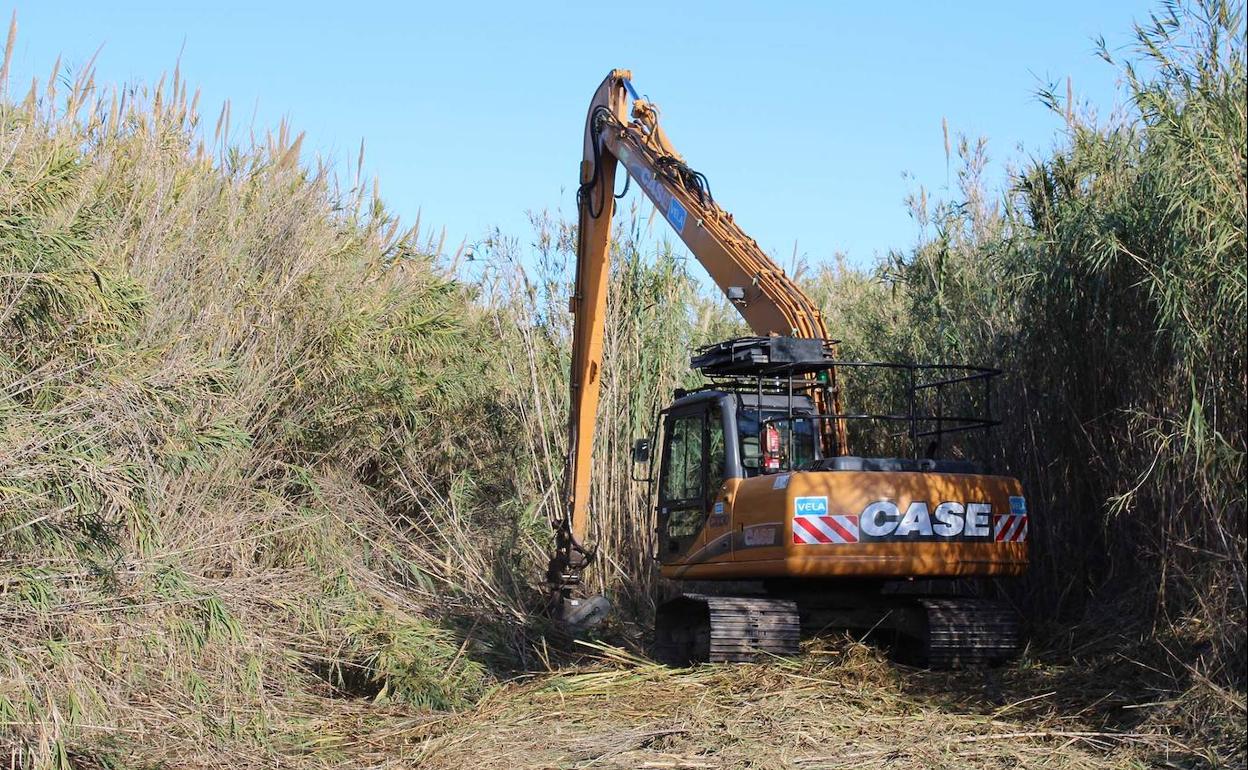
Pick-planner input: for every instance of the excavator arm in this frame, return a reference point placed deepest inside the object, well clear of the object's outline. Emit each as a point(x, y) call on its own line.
point(769, 301)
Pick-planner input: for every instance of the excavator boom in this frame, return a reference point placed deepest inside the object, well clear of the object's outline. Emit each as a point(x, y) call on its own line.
point(768, 299)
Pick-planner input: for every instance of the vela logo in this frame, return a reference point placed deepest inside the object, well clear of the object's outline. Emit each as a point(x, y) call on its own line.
point(813, 526)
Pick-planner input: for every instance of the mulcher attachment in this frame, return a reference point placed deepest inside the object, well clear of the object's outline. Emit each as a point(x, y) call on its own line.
point(695, 628)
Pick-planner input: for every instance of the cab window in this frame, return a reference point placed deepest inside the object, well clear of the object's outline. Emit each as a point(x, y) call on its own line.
point(716, 451)
point(804, 439)
point(683, 473)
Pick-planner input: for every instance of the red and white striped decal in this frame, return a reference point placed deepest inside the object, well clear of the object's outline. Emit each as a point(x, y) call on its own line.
point(816, 530)
point(1010, 527)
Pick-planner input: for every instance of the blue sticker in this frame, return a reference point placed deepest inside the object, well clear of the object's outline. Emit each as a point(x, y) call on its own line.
point(810, 506)
point(676, 214)
point(656, 188)
point(1018, 506)
point(719, 508)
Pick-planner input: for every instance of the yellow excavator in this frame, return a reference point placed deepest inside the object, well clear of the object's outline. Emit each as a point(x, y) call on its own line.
point(768, 523)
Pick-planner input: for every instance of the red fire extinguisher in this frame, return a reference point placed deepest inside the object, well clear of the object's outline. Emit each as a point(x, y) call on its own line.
point(771, 449)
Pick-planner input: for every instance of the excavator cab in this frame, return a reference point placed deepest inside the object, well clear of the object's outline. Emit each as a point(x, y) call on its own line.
point(711, 437)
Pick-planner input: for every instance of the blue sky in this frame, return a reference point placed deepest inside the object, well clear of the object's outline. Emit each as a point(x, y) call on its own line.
point(806, 116)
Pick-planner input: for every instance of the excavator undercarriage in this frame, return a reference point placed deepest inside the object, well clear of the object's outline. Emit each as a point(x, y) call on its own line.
point(942, 628)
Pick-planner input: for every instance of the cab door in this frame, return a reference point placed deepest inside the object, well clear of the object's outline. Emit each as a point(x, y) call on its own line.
point(691, 477)
point(682, 483)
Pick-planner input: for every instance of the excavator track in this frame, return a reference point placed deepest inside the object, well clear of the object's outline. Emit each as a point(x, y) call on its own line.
point(962, 633)
point(934, 632)
point(697, 628)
